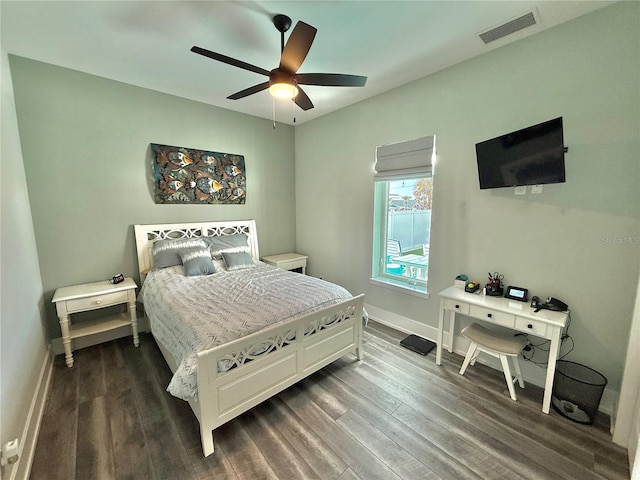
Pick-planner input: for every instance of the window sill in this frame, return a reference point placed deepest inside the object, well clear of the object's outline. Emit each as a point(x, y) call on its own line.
point(402, 287)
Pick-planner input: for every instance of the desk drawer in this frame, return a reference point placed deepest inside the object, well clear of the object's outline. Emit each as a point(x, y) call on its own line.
point(531, 326)
point(456, 306)
point(293, 264)
point(499, 318)
point(97, 301)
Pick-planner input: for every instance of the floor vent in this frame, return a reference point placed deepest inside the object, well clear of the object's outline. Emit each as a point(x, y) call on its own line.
point(508, 28)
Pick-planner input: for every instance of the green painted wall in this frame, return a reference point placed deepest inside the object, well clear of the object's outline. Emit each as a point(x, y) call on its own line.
point(85, 143)
point(23, 342)
point(578, 241)
point(85, 147)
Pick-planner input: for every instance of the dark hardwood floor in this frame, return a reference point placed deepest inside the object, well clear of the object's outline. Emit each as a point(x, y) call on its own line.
point(395, 415)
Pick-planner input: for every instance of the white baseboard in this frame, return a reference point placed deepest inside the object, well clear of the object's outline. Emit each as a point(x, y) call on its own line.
point(89, 341)
point(22, 468)
point(535, 376)
point(403, 324)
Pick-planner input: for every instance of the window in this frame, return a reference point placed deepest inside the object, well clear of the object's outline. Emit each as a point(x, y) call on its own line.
point(402, 214)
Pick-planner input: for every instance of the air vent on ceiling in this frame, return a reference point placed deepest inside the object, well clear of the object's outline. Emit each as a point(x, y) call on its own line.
point(508, 28)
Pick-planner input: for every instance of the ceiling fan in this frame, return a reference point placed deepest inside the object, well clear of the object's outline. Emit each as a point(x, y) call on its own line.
point(284, 81)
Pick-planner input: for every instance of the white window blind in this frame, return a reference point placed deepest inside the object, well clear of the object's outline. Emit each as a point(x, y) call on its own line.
point(405, 158)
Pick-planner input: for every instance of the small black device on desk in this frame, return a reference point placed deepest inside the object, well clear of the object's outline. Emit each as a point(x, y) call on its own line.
point(551, 304)
point(517, 293)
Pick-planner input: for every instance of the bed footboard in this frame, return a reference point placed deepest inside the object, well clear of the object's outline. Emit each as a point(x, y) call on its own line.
point(292, 351)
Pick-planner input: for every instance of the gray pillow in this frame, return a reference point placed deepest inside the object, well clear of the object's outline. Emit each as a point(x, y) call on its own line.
point(238, 260)
point(218, 264)
point(237, 242)
point(197, 261)
point(166, 253)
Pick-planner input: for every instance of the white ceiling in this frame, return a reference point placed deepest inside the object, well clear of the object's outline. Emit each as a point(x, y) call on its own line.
point(147, 43)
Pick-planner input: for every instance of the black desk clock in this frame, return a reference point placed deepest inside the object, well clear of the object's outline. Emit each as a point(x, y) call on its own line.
point(517, 293)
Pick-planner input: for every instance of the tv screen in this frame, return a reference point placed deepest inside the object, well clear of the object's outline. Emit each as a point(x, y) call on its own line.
point(531, 156)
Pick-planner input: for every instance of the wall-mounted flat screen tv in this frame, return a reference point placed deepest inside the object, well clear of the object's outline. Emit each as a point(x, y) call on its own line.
point(531, 156)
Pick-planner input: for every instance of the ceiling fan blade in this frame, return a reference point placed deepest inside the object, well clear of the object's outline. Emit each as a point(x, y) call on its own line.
point(249, 91)
point(230, 61)
point(331, 79)
point(303, 100)
point(297, 47)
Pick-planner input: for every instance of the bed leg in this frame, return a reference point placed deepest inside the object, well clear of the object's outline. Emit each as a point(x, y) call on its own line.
point(359, 351)
point(206, 437)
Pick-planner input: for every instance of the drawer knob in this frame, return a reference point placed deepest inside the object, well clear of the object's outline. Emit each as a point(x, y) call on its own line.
point(457, 306)
point(489, 315)
point(99, 301)
point(529, 325)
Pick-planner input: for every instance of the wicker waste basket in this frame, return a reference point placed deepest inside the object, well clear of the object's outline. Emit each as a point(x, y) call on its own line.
point(577, 391)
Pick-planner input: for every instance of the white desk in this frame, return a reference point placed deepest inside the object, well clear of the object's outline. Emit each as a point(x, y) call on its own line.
point(507, 313)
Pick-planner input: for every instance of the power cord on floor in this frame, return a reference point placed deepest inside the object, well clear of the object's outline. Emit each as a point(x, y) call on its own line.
point(532, 349)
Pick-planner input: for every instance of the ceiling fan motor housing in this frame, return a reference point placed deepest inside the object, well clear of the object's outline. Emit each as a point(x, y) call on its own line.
point(278, 76)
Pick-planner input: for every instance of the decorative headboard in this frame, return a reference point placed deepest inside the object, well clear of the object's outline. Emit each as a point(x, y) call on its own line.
point(146, 235)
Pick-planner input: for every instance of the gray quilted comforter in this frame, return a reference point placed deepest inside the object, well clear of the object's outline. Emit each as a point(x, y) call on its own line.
point(191, 314)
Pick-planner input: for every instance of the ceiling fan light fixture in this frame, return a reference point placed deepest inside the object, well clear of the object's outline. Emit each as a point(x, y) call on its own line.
point(283, 90)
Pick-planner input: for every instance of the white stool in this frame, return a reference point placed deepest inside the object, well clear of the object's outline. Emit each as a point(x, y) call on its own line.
point(500, 346)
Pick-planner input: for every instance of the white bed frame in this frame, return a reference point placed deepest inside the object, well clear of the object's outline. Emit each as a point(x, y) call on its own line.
point(224, 396)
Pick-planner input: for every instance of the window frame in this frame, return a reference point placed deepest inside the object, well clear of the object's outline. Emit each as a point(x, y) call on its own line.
point(379, 274)
point(409, 160)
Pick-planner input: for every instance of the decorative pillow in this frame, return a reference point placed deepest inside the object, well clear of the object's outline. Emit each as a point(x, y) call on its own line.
point(218, 264)
point(197, 261)
point(166, 253)
point(237, 242)
point(238, 260)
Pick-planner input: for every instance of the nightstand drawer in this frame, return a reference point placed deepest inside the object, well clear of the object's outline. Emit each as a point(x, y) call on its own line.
point(293, 264)
point(98, 301)
point(499, 318)
point(287, 261)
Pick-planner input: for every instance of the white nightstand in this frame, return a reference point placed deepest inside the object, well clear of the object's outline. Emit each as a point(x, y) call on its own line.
point(288, 261)
point(92, 296)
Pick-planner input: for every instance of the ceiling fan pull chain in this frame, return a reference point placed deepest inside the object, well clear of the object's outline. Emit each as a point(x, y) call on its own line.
point(273, 111)
point(294, 110)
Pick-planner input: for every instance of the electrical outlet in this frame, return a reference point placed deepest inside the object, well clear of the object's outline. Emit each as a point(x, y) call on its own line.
point(522, 190)
point(536, 189)
point(10, 452)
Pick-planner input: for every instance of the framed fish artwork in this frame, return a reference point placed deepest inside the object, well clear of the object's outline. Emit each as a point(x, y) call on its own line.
point(187, 175)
